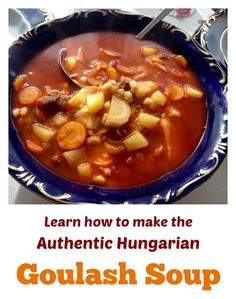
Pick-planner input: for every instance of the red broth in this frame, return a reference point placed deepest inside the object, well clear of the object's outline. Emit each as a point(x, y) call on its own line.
point(168, 146)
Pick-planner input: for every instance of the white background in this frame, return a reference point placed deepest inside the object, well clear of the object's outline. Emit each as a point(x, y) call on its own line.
point(22, 225)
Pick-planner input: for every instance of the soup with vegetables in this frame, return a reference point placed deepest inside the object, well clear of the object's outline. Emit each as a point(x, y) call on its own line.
point(139, 114)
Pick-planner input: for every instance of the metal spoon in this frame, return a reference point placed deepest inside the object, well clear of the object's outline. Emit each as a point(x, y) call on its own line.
point(61, 59)
point(156, 20)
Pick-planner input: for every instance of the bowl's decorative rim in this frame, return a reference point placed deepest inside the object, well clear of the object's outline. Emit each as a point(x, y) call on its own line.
point(28, 179)
point(200, 34)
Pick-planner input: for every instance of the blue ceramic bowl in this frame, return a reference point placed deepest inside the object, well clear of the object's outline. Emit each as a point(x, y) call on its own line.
point(197, 169)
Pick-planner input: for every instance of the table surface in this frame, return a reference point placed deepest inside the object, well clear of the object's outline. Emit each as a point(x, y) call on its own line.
point(214, 191)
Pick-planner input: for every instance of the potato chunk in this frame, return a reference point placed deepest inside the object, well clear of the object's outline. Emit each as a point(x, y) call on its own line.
point(99, 180)
point(79, 98)
point(144, 88)
point(95, 102)
point(159, 98)
point(114, 149)
point(135, 141)
point(148, 51)
point(44, 133)
point(147, 120)
point(94, 139)
point(60, 119)
point(181, 60)
point(82, 112)
point(150, 104)
point(193, 92)
point(70, 63)
point(84, 170)
point(91, 121)
point(74, 155)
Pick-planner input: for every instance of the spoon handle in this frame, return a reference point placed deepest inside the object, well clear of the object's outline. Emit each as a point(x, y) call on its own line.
point(156, 20)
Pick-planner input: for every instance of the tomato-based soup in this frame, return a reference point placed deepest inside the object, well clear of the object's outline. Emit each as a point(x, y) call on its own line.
point(138, 114)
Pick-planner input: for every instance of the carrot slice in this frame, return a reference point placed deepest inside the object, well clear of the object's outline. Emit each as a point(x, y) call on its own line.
point(110, 53)
point(33, 148)
point(112, 74)
point(18, 82)
point(127, 71)
point(157, 60)
point(176, 73)
point(29, 95)
point(90, 73)
point(71, 135)
point(176, 92)
point(180, 59)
